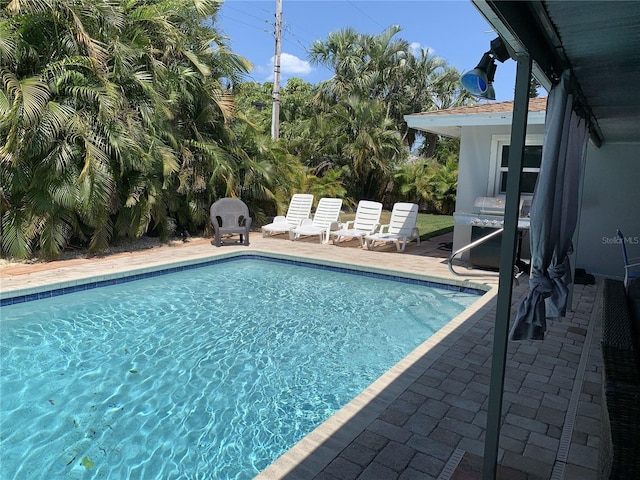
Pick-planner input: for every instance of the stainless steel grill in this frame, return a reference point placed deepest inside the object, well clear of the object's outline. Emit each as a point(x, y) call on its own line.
point(489, 212)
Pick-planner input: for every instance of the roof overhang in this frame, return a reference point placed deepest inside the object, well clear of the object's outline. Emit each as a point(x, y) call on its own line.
point(450, 125)
point(598, 41)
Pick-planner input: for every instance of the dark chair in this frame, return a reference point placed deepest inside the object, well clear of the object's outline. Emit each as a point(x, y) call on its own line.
point(230, 216)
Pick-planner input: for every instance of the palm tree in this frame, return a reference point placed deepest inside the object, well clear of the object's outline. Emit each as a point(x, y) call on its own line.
point(55, 163)
point(411, 181)
point(188, 116)
point(430, 84)
point(343, 53)
point(385, 68)
point(430, 183)
point(114, 119)
point(370, 146)
point(444, 185)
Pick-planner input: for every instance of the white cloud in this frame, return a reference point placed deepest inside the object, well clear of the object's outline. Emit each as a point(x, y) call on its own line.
point(292, 65)
point(414, 47)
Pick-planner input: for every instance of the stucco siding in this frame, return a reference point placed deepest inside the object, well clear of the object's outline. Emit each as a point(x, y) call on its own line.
point(475, 172)
point(610, 200)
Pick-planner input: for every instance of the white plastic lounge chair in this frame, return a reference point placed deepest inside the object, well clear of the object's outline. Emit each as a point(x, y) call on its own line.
point(299, 209)
point(401, 228)
point(367, 221)
point(324, 220)
point(230, 216)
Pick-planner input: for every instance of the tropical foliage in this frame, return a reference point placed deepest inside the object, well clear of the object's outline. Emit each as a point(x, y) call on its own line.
point(119, 119)
point(430, 184)
point(359, 126)
point(386, 69)
point(115, 121)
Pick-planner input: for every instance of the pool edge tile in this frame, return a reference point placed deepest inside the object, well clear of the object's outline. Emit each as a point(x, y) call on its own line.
point(97, 280)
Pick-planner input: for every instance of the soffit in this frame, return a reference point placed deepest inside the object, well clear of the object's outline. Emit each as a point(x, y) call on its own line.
point(449, 122)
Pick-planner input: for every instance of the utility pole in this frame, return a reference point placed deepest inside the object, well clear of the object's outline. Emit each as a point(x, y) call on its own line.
point(275, 114)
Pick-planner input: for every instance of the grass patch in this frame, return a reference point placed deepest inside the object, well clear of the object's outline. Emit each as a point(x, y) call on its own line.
point(430, 225)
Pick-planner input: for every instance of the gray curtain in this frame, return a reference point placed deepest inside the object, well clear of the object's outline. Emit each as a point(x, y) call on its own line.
point(554, 212)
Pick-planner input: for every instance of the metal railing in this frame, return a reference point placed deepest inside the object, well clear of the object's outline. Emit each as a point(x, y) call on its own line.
point(473, 244)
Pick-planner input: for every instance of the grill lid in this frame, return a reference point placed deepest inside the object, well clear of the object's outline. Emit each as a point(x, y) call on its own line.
point(490, 205)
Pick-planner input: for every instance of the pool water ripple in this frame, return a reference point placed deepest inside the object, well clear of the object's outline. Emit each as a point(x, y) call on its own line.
point(209, 373)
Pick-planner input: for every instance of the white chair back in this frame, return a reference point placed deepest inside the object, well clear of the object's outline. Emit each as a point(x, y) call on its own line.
point(404, 217)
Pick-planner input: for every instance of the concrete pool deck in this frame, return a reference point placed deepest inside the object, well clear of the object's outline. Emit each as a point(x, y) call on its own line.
point(425, 418)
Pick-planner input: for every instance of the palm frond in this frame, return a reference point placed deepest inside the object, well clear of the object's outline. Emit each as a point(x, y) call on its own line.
point(8, 43)
point(54, 236)
point(31, 97)
point(14, 241)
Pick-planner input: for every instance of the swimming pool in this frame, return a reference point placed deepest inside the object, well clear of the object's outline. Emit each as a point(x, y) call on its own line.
point(205, 373)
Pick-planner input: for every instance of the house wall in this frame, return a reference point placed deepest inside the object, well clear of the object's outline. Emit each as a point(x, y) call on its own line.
point(475, 173)
point(610, 200)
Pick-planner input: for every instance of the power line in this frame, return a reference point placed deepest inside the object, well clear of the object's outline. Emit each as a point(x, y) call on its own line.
point(228, 5)
point(365, 14)
point(244, 13)
point(297, 42)
point(226, 17)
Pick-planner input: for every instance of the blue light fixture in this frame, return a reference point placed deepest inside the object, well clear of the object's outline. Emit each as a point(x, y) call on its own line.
point(479, 81)
point(476, 81)
point(490, 93)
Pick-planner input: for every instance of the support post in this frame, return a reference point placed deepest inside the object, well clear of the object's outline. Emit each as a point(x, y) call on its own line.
point(507, 259)
point(275, 112)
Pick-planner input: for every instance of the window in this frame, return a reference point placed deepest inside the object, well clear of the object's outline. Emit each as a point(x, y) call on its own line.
point(530, 168)
point(500, 163)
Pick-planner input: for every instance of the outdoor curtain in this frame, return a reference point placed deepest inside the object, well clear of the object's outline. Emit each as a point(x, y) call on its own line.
point(554, 215)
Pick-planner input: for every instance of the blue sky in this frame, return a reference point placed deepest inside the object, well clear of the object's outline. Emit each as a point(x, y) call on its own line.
point(452, 29)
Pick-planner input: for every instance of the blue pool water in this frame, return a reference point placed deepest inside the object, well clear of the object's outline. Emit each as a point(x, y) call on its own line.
point(211, 372)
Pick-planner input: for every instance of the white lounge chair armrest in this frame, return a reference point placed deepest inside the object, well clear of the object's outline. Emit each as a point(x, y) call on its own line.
point(334, 226)
point(306, 221)
point(280, 219)
point(383, 228)
point(375, 228)
point(347, 224)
